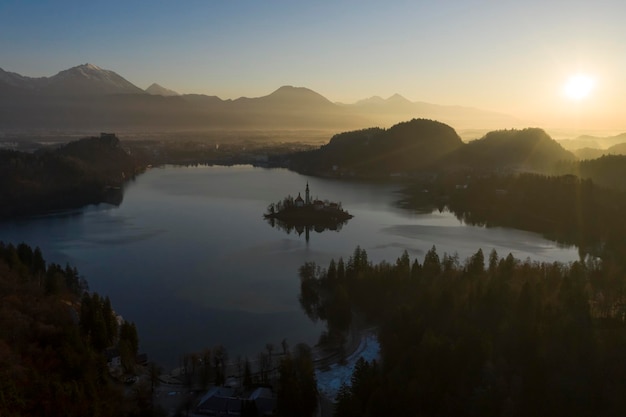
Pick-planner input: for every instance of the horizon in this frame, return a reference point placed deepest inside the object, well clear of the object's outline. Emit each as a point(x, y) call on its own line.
point(551, 66)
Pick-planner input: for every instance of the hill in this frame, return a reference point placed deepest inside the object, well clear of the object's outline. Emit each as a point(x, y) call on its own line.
point(530, 149)
point(88, 171)
point(53, 340)
point(405, 147)
point(593, 142)
point(594, 153)
point(423, 146)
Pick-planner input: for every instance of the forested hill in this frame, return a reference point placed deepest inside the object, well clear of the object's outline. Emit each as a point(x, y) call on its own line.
point(427, 146)
point(530, 149)
point(52, 341)
point(405, 147)
point(87, 171)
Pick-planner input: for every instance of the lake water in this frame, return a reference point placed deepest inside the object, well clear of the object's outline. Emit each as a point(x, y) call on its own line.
point(188, 257)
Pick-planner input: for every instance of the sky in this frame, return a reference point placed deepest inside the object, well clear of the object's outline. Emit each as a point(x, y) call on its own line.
point(514, 57)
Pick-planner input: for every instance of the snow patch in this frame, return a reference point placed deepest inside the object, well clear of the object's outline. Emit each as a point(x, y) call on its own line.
point(329, 381)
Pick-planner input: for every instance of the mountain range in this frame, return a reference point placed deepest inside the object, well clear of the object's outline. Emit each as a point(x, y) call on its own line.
point(87, 96)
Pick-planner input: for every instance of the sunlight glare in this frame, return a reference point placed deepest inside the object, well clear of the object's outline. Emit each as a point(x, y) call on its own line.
point(579, 86)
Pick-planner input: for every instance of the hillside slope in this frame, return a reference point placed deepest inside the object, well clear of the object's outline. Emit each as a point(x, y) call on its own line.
point(406, 147)
point(530, 149)
point(88, 171)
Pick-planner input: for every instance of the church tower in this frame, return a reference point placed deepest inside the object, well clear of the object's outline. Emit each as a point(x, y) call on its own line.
point(307, 198)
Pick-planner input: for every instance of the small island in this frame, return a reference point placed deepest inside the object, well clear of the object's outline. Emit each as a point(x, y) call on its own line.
point(306, 210)
point(304, 214)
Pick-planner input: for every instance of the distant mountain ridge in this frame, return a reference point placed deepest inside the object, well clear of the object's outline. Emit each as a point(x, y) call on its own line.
point(86, 79)
point(87, 96)
point(398, 106)
point(158, 90)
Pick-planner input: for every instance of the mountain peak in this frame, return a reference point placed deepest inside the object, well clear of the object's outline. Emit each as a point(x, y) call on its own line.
point(290, 89)
point(158, 90)
point(397, 98)
point(84, 69)
point(89, 79)
point(90, 67)
point(371, 100)
point(298, 94)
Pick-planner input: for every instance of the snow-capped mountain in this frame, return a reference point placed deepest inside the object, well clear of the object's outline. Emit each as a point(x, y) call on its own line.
point(86, 79)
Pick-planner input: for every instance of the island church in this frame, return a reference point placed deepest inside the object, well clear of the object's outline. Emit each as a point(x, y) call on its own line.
point(307, 198)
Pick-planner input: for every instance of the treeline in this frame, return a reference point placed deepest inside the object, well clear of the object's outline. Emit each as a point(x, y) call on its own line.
point(52, 344)
point(487, 336)
point(565, 209)
point(607, 170)
point(226, 149)
point(209, 366)
point(87, 171)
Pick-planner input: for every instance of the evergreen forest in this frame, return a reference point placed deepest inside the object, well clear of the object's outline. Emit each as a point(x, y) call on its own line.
point(53, 338)
point(489, 335)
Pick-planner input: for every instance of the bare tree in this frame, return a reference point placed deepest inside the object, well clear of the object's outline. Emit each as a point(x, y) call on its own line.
point(270, 349)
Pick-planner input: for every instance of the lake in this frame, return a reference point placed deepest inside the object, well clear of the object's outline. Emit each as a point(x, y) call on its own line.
point(189, 258)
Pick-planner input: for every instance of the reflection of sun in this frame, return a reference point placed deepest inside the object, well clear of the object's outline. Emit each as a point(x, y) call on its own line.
point(578, 86)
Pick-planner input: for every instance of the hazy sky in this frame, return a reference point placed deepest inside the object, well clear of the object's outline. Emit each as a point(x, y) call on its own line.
point(509, 56)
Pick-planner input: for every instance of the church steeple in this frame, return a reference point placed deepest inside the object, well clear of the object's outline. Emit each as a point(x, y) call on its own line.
point(307, 198)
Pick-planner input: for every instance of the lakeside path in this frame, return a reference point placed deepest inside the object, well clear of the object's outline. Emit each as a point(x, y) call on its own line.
point(337, 370)
point(333, 367)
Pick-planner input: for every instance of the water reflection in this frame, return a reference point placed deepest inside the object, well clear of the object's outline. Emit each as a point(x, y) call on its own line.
point(189, 258)
point(302, 226)
point(306, 214)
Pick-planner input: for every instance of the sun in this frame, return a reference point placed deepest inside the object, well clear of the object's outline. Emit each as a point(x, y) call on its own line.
point(579, 86)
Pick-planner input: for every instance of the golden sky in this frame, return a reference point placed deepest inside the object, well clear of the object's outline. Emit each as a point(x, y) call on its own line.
point(509, 56)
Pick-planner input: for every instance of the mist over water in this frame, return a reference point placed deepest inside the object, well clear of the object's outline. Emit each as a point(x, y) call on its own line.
point(189, 258)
